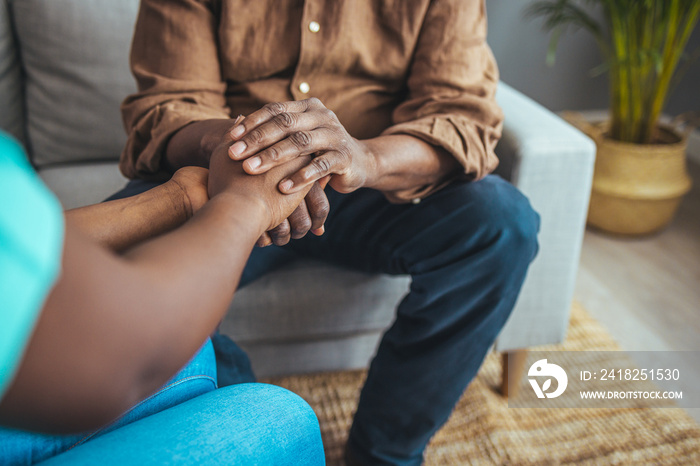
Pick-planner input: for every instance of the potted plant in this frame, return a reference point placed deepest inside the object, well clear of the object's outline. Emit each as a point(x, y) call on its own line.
point(640, 173)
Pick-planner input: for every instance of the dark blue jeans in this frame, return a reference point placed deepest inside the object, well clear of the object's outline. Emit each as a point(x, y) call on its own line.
point(467, 249)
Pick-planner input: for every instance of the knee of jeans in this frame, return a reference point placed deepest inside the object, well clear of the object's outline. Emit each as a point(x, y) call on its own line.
point(488, 221)
point(508, 221)
point(520, 227)
point(302, 415)
point(290, 406)
point(293, 416)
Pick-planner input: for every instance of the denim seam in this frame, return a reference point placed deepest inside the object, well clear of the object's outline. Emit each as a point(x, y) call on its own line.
point(162, 390)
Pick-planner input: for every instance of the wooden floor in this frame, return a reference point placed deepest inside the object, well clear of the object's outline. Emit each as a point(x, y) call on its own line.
point(647, 291)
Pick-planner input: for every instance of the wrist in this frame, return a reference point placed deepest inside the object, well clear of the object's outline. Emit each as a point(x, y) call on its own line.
point(373, 166)
point(177, 200)
point(248, 210)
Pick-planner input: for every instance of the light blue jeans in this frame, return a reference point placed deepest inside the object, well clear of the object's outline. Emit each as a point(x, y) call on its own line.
point(188, 421)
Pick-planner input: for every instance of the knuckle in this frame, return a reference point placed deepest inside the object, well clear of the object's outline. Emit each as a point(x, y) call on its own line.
point(301, 226)
point(281, 241)
point(329, 114)
point(274, 108)
point(272, 154)
point(321, 164)
point(321, 211)
point(282, 230)
point(285, 120)
point(314, 102)
point(256, 136)
point(302, 139)
point(344, 152)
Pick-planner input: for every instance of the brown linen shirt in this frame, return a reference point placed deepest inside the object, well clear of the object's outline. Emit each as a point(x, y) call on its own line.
point(416, 67)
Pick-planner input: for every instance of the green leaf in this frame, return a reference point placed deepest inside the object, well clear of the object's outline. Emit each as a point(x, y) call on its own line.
point(552, 48)
point(599, 70)
point(642, 43)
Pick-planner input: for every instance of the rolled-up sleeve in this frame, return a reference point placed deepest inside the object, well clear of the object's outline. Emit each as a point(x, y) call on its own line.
point(451, 89)
point(174, 58)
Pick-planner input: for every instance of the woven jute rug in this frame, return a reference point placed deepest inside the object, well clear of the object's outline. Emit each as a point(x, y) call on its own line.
point(484, 430)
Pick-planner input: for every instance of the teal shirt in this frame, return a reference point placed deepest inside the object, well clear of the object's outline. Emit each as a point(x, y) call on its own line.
point(31, 243)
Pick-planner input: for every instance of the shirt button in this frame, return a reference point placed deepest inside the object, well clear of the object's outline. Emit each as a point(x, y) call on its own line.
point(415, 201)
point(304, 87)
point(314, 26)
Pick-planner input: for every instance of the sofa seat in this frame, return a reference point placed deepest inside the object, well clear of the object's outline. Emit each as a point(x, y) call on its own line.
point(313, 317)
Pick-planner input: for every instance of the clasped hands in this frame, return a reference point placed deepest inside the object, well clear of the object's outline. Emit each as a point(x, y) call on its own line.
point(294, 149)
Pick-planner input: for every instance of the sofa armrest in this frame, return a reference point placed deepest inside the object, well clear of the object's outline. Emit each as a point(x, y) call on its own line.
point(551, 162)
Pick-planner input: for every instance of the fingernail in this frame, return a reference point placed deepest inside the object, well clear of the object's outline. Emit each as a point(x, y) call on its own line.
point(319, 231)
point(286, 185)
point(237, 131)
point(253, 163)
point(238, 148)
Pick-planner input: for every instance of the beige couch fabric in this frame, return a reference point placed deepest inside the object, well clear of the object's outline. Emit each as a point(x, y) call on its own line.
point(75, 56)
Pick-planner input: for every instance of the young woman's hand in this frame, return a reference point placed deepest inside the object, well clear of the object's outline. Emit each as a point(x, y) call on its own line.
point(227, 177)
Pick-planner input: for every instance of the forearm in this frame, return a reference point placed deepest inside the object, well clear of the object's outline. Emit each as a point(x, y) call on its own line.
point(120, 224)
point(141, 316)
point(194, 272)
point(403, 163)
point(194, 144)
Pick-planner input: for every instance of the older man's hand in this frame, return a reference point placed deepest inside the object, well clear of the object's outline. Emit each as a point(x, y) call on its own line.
point(227, 177)
point(280, 132)
point(310, 214)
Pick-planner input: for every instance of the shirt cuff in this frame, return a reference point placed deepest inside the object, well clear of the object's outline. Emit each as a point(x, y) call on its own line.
point(148, 140)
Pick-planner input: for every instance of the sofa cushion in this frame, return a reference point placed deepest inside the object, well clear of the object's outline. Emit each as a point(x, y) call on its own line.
point(11, 103)
point(309, 299)
point(98, 181)
point(75, 55)
point(337, 353)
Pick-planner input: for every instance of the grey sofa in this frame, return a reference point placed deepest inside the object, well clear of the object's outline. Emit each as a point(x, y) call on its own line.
point(63, 73)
